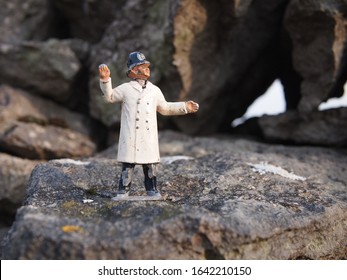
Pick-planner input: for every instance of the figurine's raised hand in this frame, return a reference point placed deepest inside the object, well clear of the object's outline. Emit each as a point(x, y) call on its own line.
point(104, 72)
point(192, 107)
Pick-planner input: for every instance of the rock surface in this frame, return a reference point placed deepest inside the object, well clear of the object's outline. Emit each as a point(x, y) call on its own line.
point(223, 54)
point(34, 128)
point(14, 173)
point(33, 141)
point(29, 20)
point(317, 128)
point(49, 68)
point(318, 32)
point(223, 199)
point(19, 105)
point(88, 20)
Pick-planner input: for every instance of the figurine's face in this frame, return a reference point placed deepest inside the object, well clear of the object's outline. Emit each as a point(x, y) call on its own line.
point(140, 72)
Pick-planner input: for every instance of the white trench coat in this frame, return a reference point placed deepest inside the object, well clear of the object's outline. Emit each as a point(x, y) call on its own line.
point(138, 139)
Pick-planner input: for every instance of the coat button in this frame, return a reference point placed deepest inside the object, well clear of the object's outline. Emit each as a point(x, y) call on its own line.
point(137, 119)
point(137, 127)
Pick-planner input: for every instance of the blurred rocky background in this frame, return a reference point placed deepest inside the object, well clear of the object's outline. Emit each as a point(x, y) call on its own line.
point(223, 54)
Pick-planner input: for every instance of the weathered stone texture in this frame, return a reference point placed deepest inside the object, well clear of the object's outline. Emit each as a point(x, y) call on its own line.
point(14, 173)
point(222, 54)
point(318, 31)
point(326, 128)
point(48, 68)
point(229, 199)
point(33, 141)
point(24, 20)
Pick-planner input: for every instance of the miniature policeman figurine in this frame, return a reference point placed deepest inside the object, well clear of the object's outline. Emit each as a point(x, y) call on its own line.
point(138, 139)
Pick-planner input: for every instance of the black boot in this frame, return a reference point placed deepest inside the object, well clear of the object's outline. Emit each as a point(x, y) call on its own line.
point(149, 170)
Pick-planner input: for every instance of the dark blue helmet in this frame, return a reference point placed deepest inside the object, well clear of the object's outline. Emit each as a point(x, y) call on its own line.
point(135, 59)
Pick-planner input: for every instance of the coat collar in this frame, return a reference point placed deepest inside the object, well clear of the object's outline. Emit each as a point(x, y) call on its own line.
point(137, 86)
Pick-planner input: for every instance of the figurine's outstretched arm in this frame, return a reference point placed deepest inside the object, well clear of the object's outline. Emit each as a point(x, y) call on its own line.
point(175, 108)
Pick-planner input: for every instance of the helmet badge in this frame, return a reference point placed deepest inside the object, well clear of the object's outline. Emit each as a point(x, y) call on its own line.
point(141, 56)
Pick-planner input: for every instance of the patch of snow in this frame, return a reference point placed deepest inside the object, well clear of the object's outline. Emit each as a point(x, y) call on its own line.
point(264, 167)
point(272, 102)
point(335, 102)
point(171, 159)
point(71, 161)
